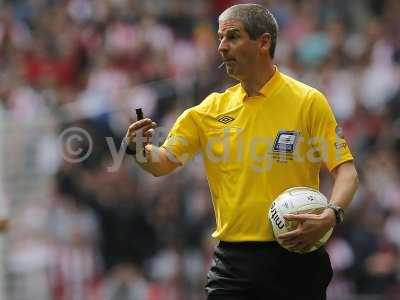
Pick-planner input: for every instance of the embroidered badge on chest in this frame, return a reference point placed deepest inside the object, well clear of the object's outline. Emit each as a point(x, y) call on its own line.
point(285, 141)
point(283, 149)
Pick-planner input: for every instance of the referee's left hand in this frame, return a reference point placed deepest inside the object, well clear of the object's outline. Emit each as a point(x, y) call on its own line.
point(310, 229)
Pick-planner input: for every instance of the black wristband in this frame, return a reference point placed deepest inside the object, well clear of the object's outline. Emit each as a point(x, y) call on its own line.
point(128, 150)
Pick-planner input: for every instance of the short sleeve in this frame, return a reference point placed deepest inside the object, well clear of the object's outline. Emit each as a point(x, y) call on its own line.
point(183, 140)
point(326, 134)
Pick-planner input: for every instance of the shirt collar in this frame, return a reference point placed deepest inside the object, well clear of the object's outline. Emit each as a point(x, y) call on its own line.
point(268, 87)
point(271, 84)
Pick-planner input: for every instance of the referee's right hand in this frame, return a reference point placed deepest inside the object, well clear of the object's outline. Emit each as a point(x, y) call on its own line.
point(138, 132)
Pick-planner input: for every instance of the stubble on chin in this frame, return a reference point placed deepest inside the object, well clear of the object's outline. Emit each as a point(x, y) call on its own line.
point(230, 72)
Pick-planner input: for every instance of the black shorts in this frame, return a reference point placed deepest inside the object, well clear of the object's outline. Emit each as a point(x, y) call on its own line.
point(265, 270)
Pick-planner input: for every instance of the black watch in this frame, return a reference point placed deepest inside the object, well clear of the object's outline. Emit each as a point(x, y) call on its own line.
point(339, 213)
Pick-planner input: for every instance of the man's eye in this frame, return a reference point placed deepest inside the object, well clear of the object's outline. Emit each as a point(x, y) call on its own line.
point(228, 37)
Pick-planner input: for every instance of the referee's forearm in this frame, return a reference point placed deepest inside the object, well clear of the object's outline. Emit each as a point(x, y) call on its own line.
point(345, 186)
point(154, 160)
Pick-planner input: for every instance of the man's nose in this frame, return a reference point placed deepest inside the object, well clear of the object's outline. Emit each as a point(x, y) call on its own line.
point(223, 46)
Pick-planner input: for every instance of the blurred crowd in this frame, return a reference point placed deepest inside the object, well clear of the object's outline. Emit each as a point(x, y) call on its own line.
point(121, 234)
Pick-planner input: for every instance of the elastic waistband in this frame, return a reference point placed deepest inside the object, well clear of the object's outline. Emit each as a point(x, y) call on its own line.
point(251, 244)
point(268, 245)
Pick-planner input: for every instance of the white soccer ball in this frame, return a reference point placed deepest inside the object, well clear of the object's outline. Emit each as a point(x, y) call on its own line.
point(297, 200)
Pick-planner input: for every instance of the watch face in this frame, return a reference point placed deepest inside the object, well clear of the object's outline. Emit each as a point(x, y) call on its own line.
point(339, 213)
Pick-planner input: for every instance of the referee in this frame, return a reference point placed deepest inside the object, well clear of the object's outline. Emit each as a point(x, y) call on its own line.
point(260, 137)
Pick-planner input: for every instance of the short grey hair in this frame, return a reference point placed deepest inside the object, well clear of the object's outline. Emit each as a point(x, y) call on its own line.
point(256, 20)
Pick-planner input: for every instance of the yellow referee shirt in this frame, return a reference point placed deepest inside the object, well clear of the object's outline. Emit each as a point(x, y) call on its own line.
point(256, 147)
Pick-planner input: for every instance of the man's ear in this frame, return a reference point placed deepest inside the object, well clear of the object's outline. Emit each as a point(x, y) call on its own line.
point(265, 42)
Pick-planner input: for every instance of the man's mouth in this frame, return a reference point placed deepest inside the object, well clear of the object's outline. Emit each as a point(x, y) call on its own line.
point(229, 61)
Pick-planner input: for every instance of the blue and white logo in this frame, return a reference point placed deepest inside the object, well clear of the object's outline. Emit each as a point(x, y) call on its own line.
point(285, 141)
